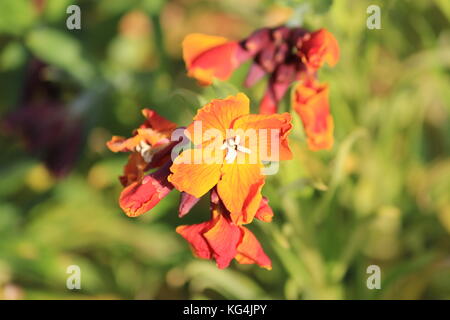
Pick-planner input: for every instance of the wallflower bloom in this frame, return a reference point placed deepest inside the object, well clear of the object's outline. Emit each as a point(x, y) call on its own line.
point(284, 54)
point(150, 147)
point(231, 158)
point(222, 240)
point(238, 142)
point(310, 101)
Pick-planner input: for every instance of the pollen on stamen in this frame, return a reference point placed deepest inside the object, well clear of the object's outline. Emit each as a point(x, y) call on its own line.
point(232, 146)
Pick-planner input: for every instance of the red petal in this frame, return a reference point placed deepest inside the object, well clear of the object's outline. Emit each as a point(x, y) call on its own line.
point(141, 196)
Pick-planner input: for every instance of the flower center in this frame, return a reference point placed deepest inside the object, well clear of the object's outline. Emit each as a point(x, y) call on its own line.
point(232, 146)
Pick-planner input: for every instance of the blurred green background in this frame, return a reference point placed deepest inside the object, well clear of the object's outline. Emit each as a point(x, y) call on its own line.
point(381, 196)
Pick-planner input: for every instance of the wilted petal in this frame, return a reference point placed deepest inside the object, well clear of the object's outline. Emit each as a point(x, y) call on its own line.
point(133, 170)
point(141, 196)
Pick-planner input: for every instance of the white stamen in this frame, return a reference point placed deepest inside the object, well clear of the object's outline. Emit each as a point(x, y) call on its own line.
point(232, 145)
point(145, 150)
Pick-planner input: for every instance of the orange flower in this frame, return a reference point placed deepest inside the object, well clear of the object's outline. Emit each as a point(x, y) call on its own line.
point(310, 101)
point(319, 47)
point(208, 57)
point(150, 147)
point(222, 240)
point(232, 158)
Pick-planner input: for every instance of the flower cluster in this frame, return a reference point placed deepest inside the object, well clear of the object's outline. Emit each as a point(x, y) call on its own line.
point(225, 160)
point(284, 54)
point(226, 152)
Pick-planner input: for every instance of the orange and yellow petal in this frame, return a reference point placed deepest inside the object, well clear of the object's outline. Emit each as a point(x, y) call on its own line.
point(268, 127)
point(237, 184)
point(217, 115)
point(208, 57)
point(311, 103)
point(194, 174)
point(249, 251)
point(121, 144)
point(251, 204)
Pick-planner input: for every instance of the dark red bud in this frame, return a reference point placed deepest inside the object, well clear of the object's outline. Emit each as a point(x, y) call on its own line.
point(187, 202)
point(255, 74)
point(257, 40)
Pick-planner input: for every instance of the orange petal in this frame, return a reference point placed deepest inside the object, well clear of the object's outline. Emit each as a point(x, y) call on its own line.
point(157, 122)
point(250, 251)
point(218, 115)
point(321, 46)
point(141, 196)
point(310, 101)
point(265, 125)
point(207, 57)
point(265, 212)
point(223, 239)
point(251, 204)
point(192, 174)
point(194, 235)
point(239, 183)
point(121, 144)
point(196, 43)
point(155, 131)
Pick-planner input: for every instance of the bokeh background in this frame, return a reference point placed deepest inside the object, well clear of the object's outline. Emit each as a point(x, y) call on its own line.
point(381, 196)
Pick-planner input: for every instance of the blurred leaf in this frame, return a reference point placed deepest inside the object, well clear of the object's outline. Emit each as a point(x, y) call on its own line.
point(61, 49)
point(231, 284)
point(16, 16)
